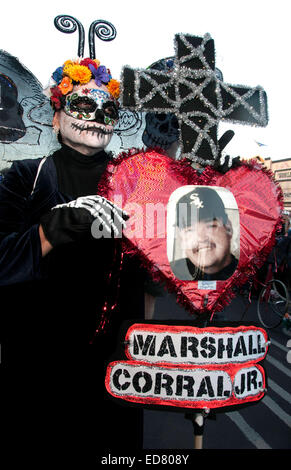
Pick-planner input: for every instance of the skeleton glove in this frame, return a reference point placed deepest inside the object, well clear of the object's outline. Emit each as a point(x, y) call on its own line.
point(76, 220)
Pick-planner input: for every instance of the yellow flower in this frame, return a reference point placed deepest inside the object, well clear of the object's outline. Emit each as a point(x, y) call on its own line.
point(67, 67)
point(68, 63)
point(66, 85)
point(78, 73)
point(114, 88)
point(97, 62)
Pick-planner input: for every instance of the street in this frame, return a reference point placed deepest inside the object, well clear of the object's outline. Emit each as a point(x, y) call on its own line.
point(263, 425)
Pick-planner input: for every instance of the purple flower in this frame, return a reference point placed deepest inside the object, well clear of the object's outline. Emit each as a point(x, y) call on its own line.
point(100, 75)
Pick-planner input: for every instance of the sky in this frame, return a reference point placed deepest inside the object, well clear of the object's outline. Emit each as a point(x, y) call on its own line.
point(252, 43)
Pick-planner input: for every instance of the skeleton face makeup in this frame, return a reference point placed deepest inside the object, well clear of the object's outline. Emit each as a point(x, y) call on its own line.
point(86, 122)
point(91, 104)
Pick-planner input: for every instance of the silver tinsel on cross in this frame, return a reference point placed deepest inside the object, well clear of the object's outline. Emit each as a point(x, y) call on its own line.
point(196, 95)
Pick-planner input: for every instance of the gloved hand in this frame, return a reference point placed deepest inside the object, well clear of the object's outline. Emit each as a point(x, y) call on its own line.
point(223, 164)
point(73, 221)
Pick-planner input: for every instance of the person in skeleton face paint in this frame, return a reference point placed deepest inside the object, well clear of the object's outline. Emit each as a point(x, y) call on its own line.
point(59, 278)
point(88, 118)
point(84, 119)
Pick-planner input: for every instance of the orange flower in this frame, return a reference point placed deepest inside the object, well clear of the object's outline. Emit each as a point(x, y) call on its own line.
point(66, 85)
point(78, 73)
point(114, 88)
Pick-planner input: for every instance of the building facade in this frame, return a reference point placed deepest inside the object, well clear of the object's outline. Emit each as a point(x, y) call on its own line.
point(282, 173)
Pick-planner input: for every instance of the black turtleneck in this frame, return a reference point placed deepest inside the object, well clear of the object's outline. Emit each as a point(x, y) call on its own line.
point(78, 174)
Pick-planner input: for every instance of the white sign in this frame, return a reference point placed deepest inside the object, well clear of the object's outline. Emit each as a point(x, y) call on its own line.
point(191, 345)
point(182, 386)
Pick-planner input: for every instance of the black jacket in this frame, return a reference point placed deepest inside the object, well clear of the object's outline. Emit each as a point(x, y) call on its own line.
point(50, 308)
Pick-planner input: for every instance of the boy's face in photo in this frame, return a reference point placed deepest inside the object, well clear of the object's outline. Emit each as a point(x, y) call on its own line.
point(207, 244)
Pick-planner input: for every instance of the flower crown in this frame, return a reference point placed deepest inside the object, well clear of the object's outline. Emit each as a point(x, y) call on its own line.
point(79, 71)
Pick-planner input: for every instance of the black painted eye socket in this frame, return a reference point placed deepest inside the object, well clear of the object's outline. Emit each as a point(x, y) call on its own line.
point(161, 117)
point(83, 103)
point(110, 109)
point(175, 122)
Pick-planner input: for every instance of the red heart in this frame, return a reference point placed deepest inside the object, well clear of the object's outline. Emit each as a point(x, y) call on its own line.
point(138, 182)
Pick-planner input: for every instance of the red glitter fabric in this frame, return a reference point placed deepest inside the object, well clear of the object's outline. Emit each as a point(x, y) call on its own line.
point(139, 178)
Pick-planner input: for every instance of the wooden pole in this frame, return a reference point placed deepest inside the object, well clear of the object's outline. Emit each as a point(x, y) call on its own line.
point(198, 442)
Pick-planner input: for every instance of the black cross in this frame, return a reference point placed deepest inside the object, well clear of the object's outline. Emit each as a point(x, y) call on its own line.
point(196, 95)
